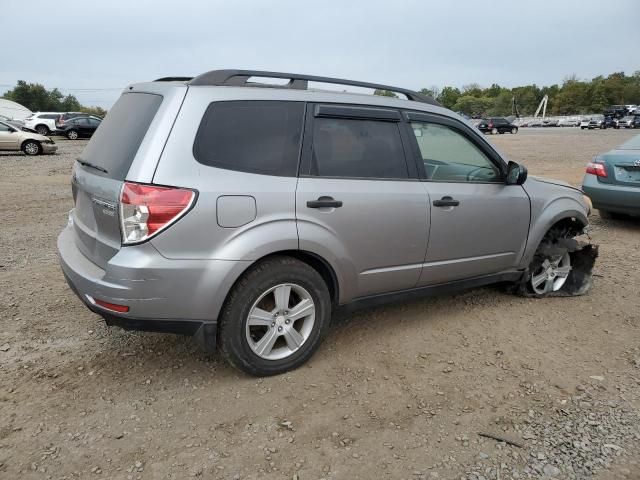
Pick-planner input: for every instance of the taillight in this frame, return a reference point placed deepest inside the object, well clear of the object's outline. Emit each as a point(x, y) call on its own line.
point(145, 210)
point(491, 125)
point(598, 169)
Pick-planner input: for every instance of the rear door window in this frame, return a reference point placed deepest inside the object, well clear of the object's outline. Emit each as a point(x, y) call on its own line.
point(351, 148)
point(251, 136)
point(115, 144)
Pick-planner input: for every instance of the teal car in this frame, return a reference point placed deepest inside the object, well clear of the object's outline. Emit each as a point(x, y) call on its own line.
point(612, 181)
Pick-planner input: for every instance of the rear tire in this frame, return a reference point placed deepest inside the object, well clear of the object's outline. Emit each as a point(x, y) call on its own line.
point(31, 147)
point(43, 130)
point(256, 297)
point(72, 135)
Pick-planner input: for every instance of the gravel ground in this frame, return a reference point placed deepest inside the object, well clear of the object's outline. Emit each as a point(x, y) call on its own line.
point(399, 392)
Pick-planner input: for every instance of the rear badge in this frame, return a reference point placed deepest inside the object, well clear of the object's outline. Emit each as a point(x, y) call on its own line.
point(108, 208)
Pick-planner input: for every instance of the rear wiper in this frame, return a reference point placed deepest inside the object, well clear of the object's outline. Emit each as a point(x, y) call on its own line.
point(91, 165)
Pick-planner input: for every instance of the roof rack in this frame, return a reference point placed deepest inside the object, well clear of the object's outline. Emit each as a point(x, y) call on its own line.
point(173, 79)
point(240, 78)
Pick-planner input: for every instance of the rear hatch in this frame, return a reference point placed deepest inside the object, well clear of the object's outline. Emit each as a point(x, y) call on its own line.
point(100, 171)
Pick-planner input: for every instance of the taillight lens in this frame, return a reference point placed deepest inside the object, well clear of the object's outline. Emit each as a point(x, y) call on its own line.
point(145, 210)
point(598, 169)
point(491, 125)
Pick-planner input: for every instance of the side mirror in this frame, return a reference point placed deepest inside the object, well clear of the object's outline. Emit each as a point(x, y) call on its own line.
point(516, 174)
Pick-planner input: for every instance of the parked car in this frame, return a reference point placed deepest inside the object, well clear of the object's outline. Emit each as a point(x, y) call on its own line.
point(78, 127)
point(14, 139)
point(550, 123)
point(569, 122)
point(200, 209)
point(593, 123)
point(497, 125)
point(63, 117)
point(610, 122)
point(630, 121)
point(612, 181)
point(42, 122)
point(616, 111)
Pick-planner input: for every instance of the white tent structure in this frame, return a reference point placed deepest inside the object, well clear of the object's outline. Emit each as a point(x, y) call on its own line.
point(13, 110)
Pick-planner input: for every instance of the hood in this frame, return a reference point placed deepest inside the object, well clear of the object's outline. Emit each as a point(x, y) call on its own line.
point(552, 181)
point(39, 137)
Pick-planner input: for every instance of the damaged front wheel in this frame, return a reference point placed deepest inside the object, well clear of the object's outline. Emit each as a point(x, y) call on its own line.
point(561, 266)
point(551, 274)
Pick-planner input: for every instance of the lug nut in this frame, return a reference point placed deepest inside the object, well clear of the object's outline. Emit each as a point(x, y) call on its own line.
point(273, 324)
point(287, 321)
point(279, 329)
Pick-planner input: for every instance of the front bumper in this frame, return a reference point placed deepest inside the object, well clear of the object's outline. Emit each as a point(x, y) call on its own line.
point(49, 148)
point(612, 197)
point(163, 295)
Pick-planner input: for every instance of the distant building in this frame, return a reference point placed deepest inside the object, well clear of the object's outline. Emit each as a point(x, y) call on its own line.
point(13, 110)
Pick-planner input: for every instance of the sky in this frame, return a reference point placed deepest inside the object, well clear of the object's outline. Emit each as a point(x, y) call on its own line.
point(97, 49)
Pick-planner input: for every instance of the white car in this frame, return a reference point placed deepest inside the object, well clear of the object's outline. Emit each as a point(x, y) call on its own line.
point(569, 122)
point(42, 122)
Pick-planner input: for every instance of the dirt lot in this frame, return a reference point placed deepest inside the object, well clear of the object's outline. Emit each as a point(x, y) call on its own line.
point(399, 392)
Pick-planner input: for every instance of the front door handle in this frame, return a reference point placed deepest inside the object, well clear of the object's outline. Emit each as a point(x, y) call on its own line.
point(324, 202)
point(446, 202)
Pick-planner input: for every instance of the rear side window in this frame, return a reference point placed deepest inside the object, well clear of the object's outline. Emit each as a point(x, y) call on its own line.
point(357, 149)
point(251, 136)
point(115, 144)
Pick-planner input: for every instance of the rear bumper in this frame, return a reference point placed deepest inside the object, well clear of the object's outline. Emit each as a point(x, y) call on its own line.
point(612, 198)
point(163, 295)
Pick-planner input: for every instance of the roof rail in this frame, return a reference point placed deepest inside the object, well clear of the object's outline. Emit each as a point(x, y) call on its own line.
point(173, 79)
point(240, 78)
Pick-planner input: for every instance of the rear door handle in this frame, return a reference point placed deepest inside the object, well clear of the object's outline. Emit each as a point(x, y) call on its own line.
point(324, 202)
point(446, 202)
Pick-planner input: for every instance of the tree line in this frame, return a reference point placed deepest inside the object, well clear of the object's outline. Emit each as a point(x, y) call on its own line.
point(38, 99)
point(572, 97)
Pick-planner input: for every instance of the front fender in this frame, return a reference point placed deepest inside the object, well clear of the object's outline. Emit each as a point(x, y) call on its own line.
point(545, 216)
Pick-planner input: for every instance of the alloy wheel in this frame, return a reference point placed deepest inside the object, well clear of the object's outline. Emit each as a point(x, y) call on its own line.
point(551, 275)
point(280, 321)
point(31, 148)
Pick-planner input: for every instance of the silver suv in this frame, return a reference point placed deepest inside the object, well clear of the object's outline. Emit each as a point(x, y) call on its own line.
point(246, 213)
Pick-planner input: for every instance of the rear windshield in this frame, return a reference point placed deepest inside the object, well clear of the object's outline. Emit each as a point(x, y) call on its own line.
point(116, 142)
